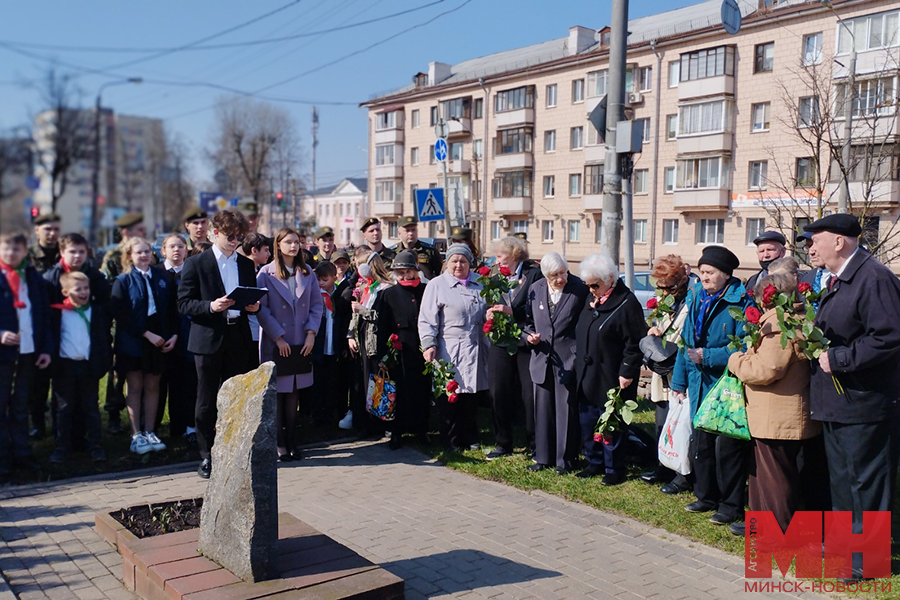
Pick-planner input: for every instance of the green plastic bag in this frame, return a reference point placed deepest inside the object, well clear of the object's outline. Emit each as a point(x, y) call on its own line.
point(723, 411)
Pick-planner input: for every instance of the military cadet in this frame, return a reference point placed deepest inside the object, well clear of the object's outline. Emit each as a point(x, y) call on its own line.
point(324, 246)
point(427, 258)
point(463, 235)
point(196, 224)
point(770, 246)
point(371, 230)
point(44, 253)
point(130, 225)
point(250, 209)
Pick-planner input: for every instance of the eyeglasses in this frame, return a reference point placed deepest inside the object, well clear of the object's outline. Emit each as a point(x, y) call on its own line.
point(239, 238)
point(669, 288)
point(594, 286)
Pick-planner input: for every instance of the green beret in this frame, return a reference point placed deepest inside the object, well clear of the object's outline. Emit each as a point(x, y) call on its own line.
point(248, 207)
point(322, 232)
point(405, 221)
point(193, 213)
point(129, 220)
point(458, 234)
point(369, 222)
point(46, 218)
point(339, 254)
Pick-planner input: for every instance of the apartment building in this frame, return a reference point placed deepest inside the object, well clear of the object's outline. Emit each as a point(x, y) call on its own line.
point(340, 207)
point(737, 130)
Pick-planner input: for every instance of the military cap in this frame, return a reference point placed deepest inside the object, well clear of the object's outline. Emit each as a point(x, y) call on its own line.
point(339, 254)
point(322, 232)
point(521, 235)
point(803, 237)
point(719, 257)
point(458, 234)
point(193, 213)
point(46, 218)
point(405, 260)
point(369, 222)
point(248, 207)
point(129, 220)
point(406, 221)
point(770, 236)
point(841, 224)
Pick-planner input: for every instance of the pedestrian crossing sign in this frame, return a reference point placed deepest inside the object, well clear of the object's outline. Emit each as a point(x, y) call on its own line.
point(430, 204)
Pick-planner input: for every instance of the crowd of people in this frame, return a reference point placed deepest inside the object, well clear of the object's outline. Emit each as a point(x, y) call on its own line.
point(166, 332)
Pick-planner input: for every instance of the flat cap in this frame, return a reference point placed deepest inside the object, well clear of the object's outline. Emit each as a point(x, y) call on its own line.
point(458, 234)
point(46, 218)
point(521, 235)
point(339, 254)
point(719, 257)
point(369, 222)
point(193, 213)
point(841, 224)
point(405, 260)
point(248, 207)
point(770, 236)
point(322, 232)
point(405, 221)
point(129, 220)
point(803, 237)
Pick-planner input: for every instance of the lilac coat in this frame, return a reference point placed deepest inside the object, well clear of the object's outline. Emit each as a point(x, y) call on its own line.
point(281, 315)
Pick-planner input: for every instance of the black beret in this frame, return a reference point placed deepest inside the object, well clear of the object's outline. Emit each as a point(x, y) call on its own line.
point(458, 234)
point(405, 221)
point(368, 223)
point(804, 236)
point(405, 260)
point(719, 257)
point(770, 236)
point(129, 220)
point(322, 232)
point(841, 224)
point(193, 213)
point(46, 218)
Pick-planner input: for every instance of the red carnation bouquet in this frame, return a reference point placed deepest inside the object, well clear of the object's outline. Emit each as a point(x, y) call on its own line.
point(501, 328)
point(443, 381)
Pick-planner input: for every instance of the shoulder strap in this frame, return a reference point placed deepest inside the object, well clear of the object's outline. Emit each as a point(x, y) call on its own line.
point(611, 314)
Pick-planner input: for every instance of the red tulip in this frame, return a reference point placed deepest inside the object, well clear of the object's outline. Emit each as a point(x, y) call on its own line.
point(452, 398)
point(652, 303)
point(505, 272)
point(804, 287)
point(452, 386)
point(484, 271)
point(752, 314)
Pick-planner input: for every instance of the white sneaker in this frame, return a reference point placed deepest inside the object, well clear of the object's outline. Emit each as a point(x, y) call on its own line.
point(139, 444)
point(347, 421)
point(156, 444)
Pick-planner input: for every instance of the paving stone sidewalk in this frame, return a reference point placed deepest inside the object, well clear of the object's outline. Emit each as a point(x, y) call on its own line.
point(447, 534)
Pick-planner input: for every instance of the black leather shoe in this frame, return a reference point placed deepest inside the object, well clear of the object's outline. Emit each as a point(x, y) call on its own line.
point(737, 529)
point(722, 519)
point(395, 443)
point(700, 506)
point(296, 454)
point(649, 477)
point(674, 488)
point(286, 457)
point(497, 453)
point(589, 471)
point(205, 468)
point(536, 467)
point(612, 479)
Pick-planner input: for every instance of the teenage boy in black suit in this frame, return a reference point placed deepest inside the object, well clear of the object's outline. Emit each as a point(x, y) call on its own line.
point(220, 334)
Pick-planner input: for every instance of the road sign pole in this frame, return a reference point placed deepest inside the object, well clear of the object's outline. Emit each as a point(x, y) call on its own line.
point(442, 125)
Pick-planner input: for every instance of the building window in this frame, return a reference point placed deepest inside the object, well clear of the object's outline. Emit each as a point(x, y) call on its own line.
point(457, 108)
point(764, 57)
point(414, 157)
point(596, 83)
point(872, 97)
point(575, 184)
point(645, 79)
point(593, 179)
point(456, 151)
point(702, 173)
point(641, 181)
point(671, 127)
point(574, 230)
point(388, 191)
point(759, 116)
point(758, 174)
point(496, 230)
point(547, 230)
point(669, 175)
point(704, 117)
point(551, 95)
point(812, 49)
point(877, 162)
point(550, 140)
point(871, 227)
point(413, 188)
point(808, 107)
point(806, 172)
point(392, 229)
point(384, 154)
point(431, 158)
point(576, 138)
point(520, 226)
point(578, 90)
point(414, 118)
point(549, 186)
point(674, 67)
point(670, 231)
point(513, 141)
point(512, 184)
point(386, 120)
point(434, 115)
point(712, 62)
point(478, 148)
point(711, 231)
point(869, 32)
point(479, 108)
point(755, 227)
point(640, 231)
point(514, 99)
point(645, 131)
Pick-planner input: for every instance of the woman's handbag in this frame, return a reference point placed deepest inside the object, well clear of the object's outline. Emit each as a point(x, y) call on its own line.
point(723, 411)
point(381, 395)
point(675, 440)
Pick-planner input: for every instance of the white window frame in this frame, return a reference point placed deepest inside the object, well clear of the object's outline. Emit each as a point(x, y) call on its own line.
point(576, 138)
point(672, 127)
point(641, 182)
point(575, 185)
point(668, 180)
point(577, 91)
point(758, 175)
point(808, 111)
point(861, 30)
point(388, 190)
point(478, 148)
point(386, 120)
point(708, 173)
point(414, 118)
point(597, 83)
point(640, 231)
point(550, 141)
point(520, 226)
point(645, 132)
point(574, 230)
point(551, 95)
point(755, 226)
point(385, 155)
point(645, 79)
point(705, 227)
point(812, 49)
point(758, 125)
point(549, 186)
point(496, 230)
point(670, 232)
point(414, 157)
point(704, 118)
point(674, 73)
point(547, 230)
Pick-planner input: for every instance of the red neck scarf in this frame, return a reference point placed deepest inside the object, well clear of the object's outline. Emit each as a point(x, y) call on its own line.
point(410, 282)
point(65, 266)
point(14, 278)
point(329, 304)
point(67, 304)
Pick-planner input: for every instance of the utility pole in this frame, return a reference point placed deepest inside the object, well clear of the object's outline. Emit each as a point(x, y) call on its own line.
point(315, 142)
point(610, 225)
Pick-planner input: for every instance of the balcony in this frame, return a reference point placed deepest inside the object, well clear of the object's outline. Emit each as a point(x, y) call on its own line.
point(592, 202)
point(388, 136)
point(459, 127)
point(456, 166)
point(387, 172)
point(709, 86)
point(387, 209)
point(692, 199)
point(518, 160)
point(516, 205)
point(697, 144)
point(594, 154)
point(869, 127)
point(509, 118)
point(883, 194)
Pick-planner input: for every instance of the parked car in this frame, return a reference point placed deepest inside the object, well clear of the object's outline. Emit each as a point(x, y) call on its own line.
point(644, 288)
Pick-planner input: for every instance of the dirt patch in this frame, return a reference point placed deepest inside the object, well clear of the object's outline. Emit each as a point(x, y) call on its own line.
point(149, 520)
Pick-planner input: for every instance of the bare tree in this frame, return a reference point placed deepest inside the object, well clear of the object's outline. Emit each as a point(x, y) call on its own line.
point(176, 189)
point(15, 166)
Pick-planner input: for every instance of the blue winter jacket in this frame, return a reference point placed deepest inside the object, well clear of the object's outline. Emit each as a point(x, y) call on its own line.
point(696, 380)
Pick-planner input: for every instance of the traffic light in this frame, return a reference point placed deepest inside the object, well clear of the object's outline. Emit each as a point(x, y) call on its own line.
point(281, 201)
point(35, 211)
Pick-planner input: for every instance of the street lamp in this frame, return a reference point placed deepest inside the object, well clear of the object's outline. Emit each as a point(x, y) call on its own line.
point(95, 181)
point(849, 90)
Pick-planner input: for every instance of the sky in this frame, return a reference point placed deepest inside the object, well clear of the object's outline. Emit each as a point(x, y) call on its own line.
point(331, 58)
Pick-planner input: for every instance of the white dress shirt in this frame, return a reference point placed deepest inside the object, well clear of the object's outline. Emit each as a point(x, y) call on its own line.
point(75, 336)
point(329, 328)
point(26, 325)
point(171, 267)
point(228, 270)
point(151, 303)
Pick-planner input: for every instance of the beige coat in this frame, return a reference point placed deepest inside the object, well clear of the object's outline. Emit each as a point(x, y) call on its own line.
point(776, 383)
point(673, 324)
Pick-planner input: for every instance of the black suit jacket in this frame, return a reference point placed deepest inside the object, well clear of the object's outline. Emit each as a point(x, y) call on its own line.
point(557, 345)
point(200, 284)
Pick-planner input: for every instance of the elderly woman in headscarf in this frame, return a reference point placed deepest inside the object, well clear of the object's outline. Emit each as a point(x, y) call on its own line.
point(551, 314)
point(451, 327)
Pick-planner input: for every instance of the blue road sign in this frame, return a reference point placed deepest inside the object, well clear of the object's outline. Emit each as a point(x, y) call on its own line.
point(731, 16)
point(208, 201)
point(32, 183)
point(440, 150)
point(430, 203)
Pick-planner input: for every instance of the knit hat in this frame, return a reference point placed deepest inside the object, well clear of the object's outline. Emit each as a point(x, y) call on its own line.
point(405, 260)
point(460, 249)
point(719, 257)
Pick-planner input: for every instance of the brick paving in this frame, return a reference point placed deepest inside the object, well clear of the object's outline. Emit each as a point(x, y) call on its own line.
point(447, 534)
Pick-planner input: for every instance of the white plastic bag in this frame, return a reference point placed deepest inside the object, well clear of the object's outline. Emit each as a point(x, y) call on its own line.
point(675, 439)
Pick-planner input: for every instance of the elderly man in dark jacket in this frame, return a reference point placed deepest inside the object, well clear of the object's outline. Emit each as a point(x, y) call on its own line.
point(856, 384)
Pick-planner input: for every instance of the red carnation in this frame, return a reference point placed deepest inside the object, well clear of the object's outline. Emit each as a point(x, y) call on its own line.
point(452, 386)
point(752, 314)
point(488, 325)
point(505, 271)
point(484, 271)
point(598, 437)
point(395, 342)
point(769, 294)
point(607, 440)
point(652, 303)
point(804, 287)
point(452, 398)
